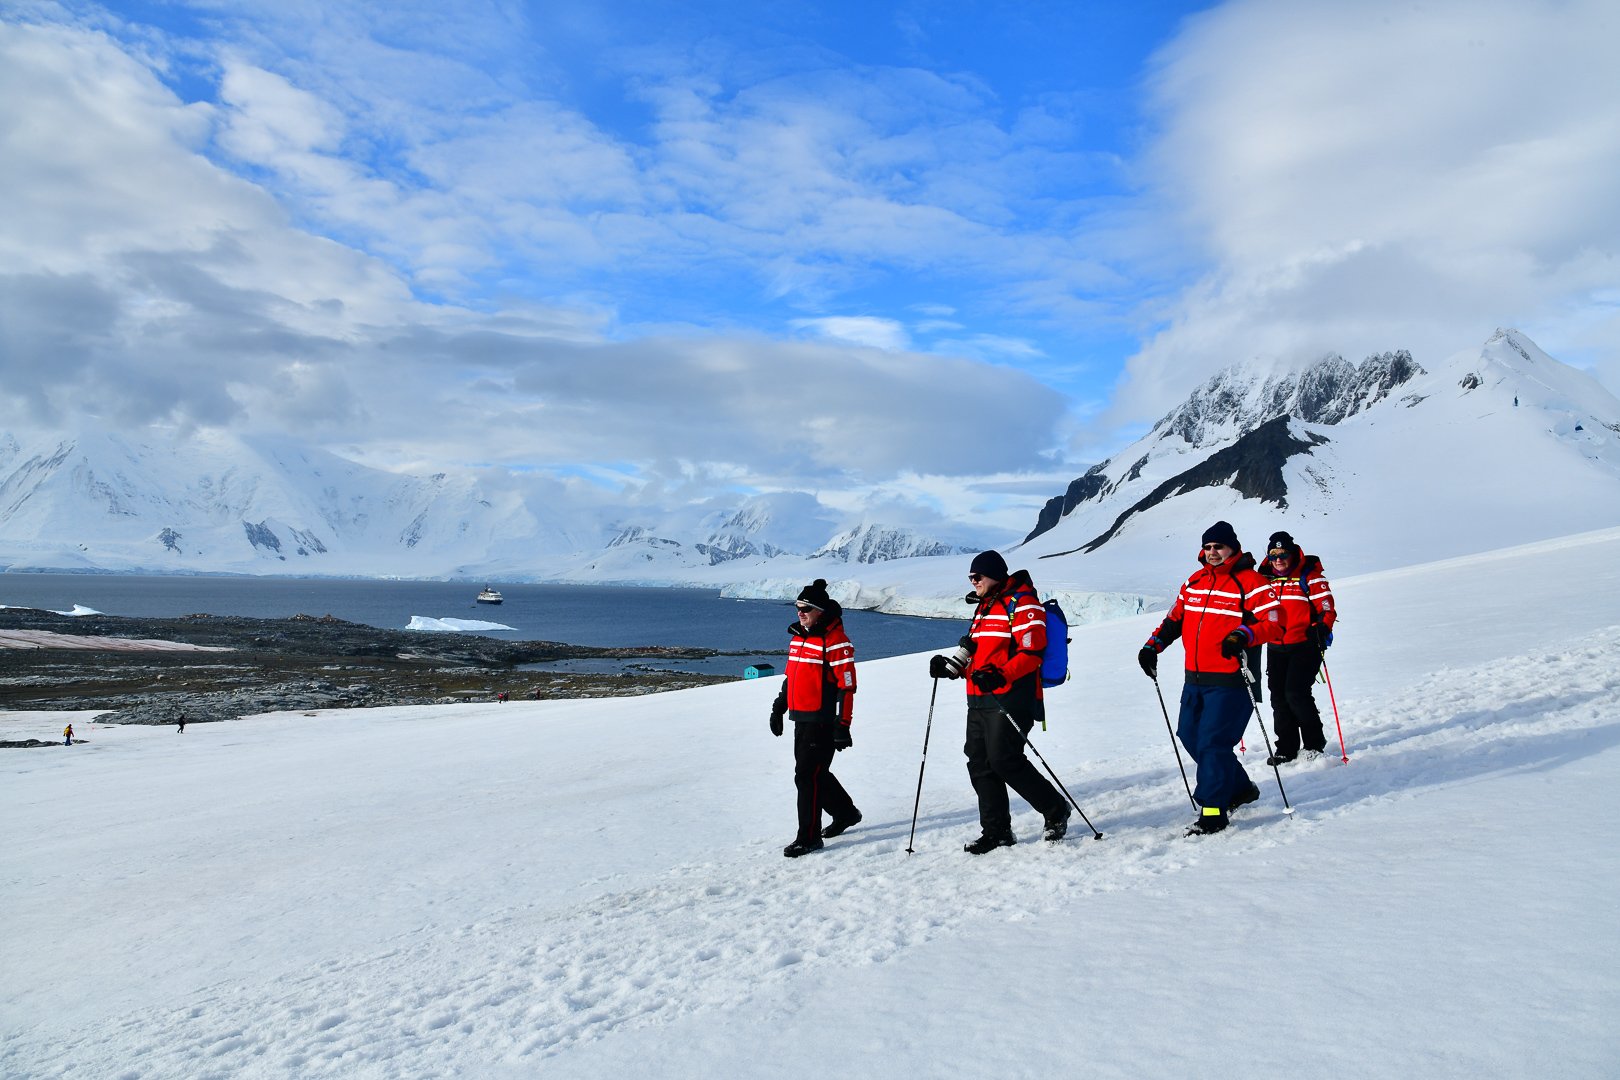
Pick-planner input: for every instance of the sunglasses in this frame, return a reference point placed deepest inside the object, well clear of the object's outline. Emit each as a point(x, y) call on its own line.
point(975, 578)
point(806, 607)
point(1278, 554)
point(1216, 547)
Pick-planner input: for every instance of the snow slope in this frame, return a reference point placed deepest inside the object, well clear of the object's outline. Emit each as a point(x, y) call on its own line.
point(594, 888)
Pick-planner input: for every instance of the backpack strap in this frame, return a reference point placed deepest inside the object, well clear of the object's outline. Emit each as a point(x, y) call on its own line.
point(1011, 601)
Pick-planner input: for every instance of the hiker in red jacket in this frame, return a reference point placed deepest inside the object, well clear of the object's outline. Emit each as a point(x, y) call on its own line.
point(818, 695)
point(1306, 602)
point(1221, 614)
point(1003, 671)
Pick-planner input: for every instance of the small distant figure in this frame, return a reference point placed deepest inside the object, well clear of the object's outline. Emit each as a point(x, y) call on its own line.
point(502, 696)
point(537, 693)
point(67, 735)
point(181, 723)
point(1515, 401)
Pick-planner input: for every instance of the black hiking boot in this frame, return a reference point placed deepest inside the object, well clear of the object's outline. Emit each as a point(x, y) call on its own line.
point(1280, 758)
point(841, 825)
point(1212, 820)
point(1243, 798)
point(1057, 823)
point(989, 842)
point(802, 847)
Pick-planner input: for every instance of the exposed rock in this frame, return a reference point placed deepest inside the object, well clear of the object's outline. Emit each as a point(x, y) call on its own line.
point(299, 663)
point(1252, 467)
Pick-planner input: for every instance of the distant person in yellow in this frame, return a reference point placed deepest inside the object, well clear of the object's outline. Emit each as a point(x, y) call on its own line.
point(67, 735)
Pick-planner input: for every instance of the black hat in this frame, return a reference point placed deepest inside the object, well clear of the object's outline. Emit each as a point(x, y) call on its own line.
point(815, 595)
point(1222, 533)
point(989, 564)
point(1281, 544)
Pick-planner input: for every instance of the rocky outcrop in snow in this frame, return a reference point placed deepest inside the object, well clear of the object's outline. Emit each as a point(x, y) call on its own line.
point(1330, 391)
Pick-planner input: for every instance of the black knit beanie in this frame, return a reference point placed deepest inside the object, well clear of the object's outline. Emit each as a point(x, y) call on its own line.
point(815, 594)
point(989, 564)
point(1221, 533)
point(1283, 541)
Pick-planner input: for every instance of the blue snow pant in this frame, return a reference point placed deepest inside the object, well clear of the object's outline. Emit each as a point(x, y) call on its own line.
point(1211, 723)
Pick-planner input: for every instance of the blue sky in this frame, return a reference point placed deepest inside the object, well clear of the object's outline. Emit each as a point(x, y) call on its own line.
point(925, 260)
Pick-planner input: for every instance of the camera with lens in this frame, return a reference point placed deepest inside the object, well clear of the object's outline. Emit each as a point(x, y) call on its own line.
point(958, 659)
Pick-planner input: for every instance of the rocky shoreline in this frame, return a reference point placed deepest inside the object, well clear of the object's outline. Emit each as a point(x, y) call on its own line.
point(299, 663)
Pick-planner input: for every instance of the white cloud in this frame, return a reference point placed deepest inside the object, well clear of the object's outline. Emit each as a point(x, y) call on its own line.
point(1383, 175)
point(858, 330)
point(163, 286)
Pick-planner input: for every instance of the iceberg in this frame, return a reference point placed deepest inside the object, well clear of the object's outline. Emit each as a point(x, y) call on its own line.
point(454, 626)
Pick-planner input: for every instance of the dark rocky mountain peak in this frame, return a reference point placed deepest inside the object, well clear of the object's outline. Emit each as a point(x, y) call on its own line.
point(1328, 392)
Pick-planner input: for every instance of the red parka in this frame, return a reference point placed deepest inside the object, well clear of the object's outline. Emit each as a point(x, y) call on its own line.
point(1215, 601)
point(820, 677)
point(1304, 596)
point(1009, 632)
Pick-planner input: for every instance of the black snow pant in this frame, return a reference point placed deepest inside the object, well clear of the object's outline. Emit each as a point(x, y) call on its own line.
point(1290, 671)
point(819, 789)
point(996, 761)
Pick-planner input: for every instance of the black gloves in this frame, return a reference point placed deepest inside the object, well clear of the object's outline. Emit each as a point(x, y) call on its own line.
point(841, 737)
point(778, 711)
point(1319, 635)
point(988, 679)
point(940, 668)
point(1149, 659)
point(1234, 643)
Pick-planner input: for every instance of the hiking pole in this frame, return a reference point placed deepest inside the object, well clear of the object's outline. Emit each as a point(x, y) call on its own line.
point(1270, 753)
point(1344, 755)
point(926, 731)
point(1095, 835)
point(1173, 744)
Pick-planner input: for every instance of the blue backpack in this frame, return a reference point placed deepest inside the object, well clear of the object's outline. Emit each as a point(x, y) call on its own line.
point(1055, 658)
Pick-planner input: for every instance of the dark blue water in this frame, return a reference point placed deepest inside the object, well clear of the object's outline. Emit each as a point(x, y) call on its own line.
point(577, 614)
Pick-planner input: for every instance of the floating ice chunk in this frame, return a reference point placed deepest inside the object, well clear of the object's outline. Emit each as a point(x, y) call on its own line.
point(453, 626)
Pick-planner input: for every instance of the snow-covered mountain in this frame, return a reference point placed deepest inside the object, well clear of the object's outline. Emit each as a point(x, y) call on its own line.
point(1506, 446)
point(207, 502)
point(1367, 465)
point(763, 538)
point(1364, 463)
point(210, 502)
point(876, 544)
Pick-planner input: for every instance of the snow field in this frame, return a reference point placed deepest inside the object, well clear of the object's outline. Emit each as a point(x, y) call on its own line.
point(591, 888)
